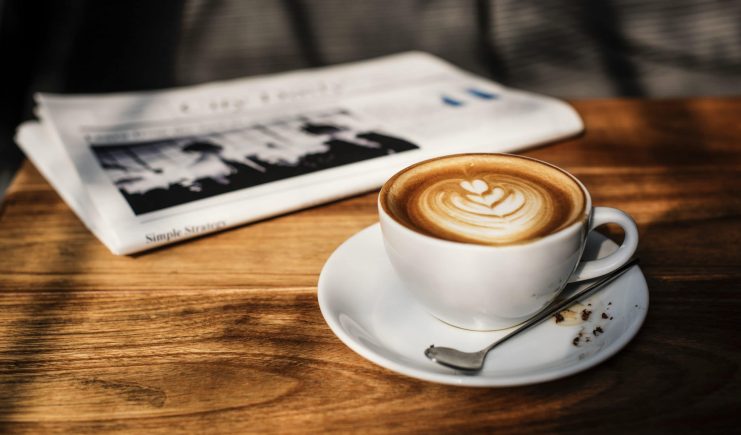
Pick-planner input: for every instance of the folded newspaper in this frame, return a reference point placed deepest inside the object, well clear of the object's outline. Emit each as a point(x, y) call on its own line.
point(144, 169)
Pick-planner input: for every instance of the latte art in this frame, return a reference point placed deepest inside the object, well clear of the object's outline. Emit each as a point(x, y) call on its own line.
point(490, 209)
point(485, 199)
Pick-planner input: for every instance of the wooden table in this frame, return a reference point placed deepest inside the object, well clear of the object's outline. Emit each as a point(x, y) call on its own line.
point(224, 334)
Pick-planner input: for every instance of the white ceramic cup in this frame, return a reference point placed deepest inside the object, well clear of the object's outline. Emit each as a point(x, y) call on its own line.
point(482, 287)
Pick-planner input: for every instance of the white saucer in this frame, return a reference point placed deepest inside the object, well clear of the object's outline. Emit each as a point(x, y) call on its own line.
point(368, 309)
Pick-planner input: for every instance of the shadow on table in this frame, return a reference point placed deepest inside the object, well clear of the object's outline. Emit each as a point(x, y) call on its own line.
point(31, 339)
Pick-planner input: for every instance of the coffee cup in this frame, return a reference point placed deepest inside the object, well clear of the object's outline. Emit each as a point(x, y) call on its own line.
point(484, 241)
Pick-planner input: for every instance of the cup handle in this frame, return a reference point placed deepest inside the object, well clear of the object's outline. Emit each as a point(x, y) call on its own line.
point(594, 268)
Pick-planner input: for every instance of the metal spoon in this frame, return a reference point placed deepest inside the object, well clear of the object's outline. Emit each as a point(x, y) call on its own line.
point(473, 361)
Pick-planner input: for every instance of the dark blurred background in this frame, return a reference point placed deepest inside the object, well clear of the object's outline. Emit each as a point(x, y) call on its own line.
point(567, 48)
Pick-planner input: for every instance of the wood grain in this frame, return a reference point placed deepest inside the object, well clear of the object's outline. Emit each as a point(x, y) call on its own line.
point(224, 334)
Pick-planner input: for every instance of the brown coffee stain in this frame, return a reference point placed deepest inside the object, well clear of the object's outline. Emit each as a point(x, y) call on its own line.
point(572, 315)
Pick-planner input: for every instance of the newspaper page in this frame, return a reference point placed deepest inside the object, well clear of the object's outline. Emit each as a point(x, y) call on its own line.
point(145, 169)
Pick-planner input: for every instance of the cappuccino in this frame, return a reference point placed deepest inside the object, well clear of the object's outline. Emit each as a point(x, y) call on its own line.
point(487, 199)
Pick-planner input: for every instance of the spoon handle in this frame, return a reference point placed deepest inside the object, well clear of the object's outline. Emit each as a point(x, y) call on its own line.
point(559, 305)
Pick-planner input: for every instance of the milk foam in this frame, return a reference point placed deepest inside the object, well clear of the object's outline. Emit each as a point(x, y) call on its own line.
point(490, 209)
point(492, 200)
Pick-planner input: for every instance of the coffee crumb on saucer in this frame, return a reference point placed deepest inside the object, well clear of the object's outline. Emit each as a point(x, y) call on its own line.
point(585, 313)
point(559, 317)
point(597, 331)
point(578, 338)
point(604, 315)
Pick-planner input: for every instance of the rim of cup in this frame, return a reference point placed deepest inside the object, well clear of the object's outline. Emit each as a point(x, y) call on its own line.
point(583, 222)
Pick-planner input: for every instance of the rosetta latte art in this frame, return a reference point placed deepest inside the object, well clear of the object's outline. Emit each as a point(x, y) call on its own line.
point(494, 209)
